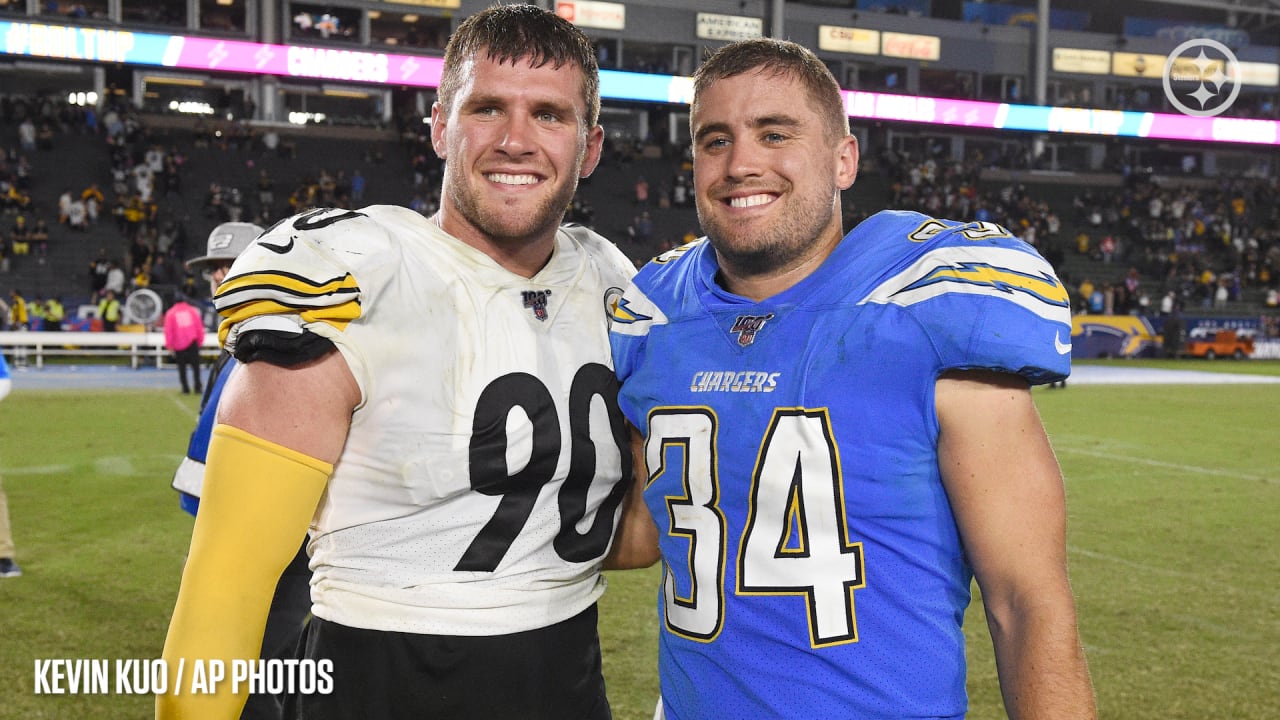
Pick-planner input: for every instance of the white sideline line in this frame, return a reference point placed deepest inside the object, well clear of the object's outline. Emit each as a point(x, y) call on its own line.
point(1157, 569)
point(1170, 466)
point(110, 465)
point(39, 470)
point(113, 465)
point(1111, 375)
point(1192, 577)
point(185, 410)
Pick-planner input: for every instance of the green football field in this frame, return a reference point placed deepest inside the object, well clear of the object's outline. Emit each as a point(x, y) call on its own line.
point(1174, 502)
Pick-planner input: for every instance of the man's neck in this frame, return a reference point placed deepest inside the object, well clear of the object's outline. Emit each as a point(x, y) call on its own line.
point(524, 257)
point(775, 281)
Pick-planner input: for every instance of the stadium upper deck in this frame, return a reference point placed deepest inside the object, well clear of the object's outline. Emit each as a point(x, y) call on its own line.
point(1088, 56)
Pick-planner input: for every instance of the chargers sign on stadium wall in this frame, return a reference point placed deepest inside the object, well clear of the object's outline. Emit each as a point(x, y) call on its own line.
point(848, 40)
point(729, 27)
point(1094, 336)
point(593, 14)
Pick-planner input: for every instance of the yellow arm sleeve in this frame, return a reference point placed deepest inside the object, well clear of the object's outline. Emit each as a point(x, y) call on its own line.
point(258, 501)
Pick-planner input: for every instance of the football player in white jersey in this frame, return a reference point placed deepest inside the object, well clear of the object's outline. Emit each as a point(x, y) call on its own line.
point(433, 399)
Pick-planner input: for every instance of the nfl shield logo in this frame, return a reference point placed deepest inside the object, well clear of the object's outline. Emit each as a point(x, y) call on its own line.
point(746, 327)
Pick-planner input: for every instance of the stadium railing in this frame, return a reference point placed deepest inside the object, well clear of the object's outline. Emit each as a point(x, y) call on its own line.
point(31, 348)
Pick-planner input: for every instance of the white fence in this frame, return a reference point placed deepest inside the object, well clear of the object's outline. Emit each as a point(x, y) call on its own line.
point(31, 348)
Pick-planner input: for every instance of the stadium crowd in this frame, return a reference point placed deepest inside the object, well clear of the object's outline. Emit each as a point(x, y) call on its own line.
point(1208, 242)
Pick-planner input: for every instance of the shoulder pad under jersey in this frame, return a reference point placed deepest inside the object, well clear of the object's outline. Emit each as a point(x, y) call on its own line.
point(606, 255)
point(987, 299)
point(303, 274)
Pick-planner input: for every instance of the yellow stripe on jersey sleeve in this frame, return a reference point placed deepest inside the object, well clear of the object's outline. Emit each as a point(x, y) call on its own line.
point(276, 284)
point(336, 316)
point(334, 302)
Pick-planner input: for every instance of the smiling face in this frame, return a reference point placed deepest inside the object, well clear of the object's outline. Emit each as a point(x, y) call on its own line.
point(515, 140)
point(768, 172)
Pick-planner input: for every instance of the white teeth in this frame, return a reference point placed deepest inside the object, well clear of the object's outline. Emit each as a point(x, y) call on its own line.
point(750, 201)
point(504, 179)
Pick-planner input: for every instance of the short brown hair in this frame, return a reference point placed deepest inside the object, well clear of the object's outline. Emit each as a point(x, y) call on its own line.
point(507, 33)
point(779, 58)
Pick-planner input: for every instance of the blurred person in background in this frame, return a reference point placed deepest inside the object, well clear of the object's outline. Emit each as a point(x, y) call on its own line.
point(183, 336)
point(19, 318)
point(109, 311)
point(54, 314)
point(291, 602)
point(8, 565)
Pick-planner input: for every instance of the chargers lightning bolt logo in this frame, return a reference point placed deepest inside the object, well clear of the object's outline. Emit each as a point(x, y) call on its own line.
point(1042, 286)
point(623, 313)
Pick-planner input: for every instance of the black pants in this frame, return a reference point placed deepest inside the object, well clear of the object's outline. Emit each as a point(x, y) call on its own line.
point(189, 362)
point(552, 673)
point(286, 621)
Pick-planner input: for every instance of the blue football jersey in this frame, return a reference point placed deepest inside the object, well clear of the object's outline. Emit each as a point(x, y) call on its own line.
point(5, 382)
point(188, 480)
point(812, 565)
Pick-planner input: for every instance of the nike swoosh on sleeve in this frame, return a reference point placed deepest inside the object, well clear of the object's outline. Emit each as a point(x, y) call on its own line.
point(279, 249)
point(1061, 347)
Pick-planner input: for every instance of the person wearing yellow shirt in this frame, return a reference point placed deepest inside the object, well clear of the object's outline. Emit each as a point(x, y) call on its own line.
point(18, 317)
point(142, 278)
point(35, 313)
point(54, 314)
point(109, 311)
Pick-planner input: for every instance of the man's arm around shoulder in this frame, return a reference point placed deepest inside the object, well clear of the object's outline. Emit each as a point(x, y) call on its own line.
point(635, 540)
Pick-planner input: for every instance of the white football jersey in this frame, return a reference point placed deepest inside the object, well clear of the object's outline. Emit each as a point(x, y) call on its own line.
point(480, 483)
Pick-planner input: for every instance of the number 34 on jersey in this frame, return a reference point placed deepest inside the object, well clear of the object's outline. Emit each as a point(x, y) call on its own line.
point(795, 538)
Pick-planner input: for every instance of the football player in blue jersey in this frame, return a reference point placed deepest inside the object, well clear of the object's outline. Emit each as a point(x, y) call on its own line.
point(836, 434)
point(432, 402)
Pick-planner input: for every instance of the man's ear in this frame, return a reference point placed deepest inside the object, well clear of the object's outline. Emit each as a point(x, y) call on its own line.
point(846, 162)
point(438, 122)
point(595, 145)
